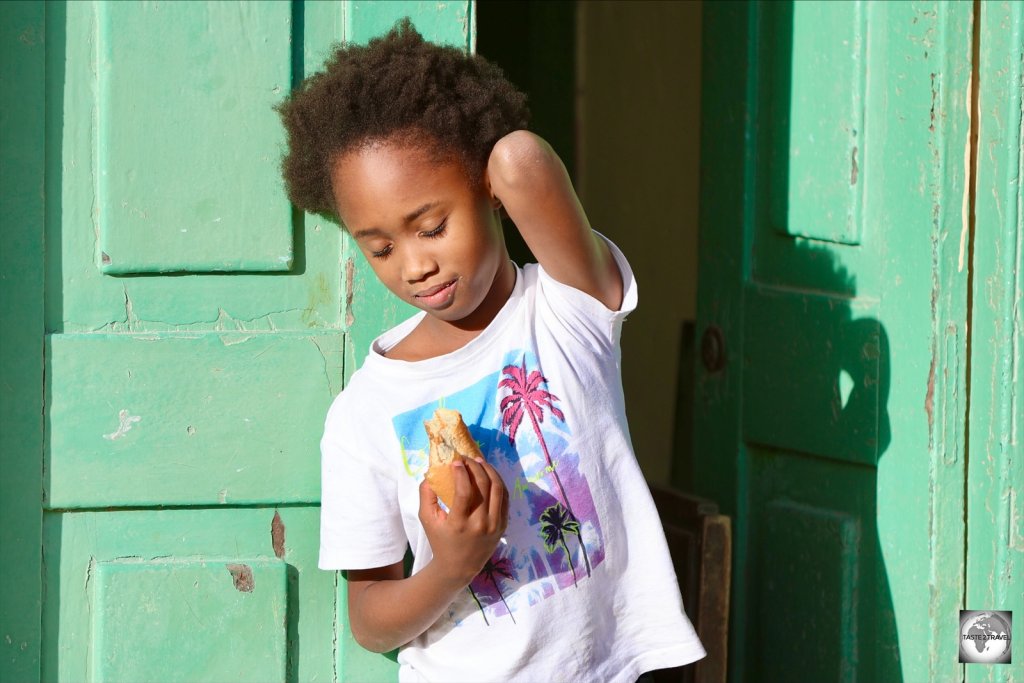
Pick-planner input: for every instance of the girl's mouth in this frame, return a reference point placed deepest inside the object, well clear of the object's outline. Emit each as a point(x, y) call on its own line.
point(440, 296)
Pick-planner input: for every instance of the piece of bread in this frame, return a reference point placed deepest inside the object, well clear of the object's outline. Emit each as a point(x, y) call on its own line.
point(449, 439)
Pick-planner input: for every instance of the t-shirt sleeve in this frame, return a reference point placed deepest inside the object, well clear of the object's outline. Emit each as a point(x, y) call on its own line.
point(582, 316)
point(360, 520)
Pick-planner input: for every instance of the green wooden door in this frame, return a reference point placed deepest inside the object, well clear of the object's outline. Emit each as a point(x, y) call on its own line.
point(834, 282)
point(195, 329)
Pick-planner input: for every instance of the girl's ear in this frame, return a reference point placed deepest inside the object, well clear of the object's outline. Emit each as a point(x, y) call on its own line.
point(495, 202)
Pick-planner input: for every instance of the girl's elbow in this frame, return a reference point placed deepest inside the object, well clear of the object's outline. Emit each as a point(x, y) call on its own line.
point(369, 641)
point(517, 157)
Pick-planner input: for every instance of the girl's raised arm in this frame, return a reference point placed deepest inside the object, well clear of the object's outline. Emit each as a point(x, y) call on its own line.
point(530, 180)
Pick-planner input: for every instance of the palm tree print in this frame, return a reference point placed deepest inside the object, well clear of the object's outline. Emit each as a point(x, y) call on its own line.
point(496, 569)
point(526, 397)
point(477, 601)
point(555, 521)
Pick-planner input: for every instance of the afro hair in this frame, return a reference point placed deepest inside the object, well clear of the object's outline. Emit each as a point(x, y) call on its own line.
point(457, 105)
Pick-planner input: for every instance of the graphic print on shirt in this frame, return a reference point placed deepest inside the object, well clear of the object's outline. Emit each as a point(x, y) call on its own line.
point(553, 540)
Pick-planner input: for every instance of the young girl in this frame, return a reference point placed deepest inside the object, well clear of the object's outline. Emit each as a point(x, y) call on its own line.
point(550, 564)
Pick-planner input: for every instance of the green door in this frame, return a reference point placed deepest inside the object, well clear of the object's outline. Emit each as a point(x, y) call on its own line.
point(831, 393)
point(194, 328)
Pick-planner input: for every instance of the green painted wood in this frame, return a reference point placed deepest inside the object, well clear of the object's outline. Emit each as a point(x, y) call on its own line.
point(995, 478)
point(210, 419)
point(447, 23)
point(236, 369)
point(192, 188)
point(223, 372)
point(81, 298)
point(820, 391)
point(187, 615)
point(22, 134)
point(821, 195)
point(825, 573)
point(112, 575)
point(834, 434)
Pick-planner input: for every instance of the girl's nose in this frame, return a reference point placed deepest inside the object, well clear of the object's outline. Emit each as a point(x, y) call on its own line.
point(418, 265)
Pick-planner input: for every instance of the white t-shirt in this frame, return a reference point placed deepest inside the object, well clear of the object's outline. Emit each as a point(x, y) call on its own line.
point(581, 588)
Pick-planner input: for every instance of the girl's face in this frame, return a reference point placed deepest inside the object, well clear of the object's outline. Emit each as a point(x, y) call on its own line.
point(431, 235)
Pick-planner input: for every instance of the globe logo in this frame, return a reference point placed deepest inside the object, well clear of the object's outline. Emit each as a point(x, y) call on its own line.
point(985, 637)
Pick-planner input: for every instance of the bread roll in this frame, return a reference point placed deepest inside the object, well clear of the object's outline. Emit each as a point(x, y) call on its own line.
point(449, 439)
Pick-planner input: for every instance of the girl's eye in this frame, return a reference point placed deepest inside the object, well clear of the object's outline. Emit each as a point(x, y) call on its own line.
point(383, 253)
point(438, 231)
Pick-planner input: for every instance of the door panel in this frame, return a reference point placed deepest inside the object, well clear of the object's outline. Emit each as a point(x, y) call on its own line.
point(815, 91)
point(820, 392)
point(169, 200)
point(187, 595)
point(833, 261)
point(140, 607)
point(89, 299)
point(808, 550)
point(197, 329)
point(209, 418)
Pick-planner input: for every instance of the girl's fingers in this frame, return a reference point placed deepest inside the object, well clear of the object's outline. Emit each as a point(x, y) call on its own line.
point(498, 495)
point(481, 480)
point(464, 488)
point(429, 509)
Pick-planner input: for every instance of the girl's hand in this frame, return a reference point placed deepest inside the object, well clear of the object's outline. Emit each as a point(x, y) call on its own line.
point(464, 538)
point(387, 611)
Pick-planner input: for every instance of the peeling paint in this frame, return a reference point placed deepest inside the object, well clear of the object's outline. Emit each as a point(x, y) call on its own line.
point(853, 166)
point(277, 535)
point(28, 37)
point(929, 399)
point(241, 574)
point(222, 322)
point(129, 311)
point(88, 573)
point(965, 204)
point(126, 424)
point(350, 274)
point(1015, 533)
point(231, 340)
point(931, 114)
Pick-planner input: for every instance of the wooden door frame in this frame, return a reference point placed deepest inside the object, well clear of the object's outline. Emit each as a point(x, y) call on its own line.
point(722, 264)
point(995, 539)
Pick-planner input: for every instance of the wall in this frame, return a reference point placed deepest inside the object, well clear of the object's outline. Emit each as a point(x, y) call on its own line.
point(638, 130)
